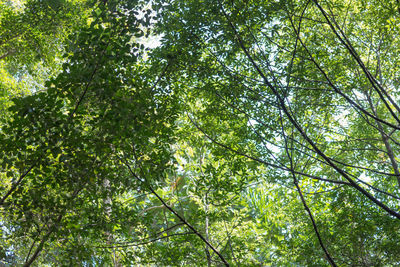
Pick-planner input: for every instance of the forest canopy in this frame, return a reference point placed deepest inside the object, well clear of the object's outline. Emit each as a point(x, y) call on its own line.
point(199, 133)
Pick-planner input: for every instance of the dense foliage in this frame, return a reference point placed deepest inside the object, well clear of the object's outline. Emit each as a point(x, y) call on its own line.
point(199, 133)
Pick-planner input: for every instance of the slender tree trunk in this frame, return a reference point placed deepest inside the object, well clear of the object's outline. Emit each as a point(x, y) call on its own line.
point(207, 233)
point(108, 211)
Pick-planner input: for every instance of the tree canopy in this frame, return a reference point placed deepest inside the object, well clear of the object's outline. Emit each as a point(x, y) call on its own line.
point(199, 133)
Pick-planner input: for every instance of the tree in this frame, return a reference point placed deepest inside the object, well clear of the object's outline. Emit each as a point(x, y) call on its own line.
point(256, 133)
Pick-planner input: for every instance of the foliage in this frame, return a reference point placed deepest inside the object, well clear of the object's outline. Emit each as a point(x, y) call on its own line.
point(255, 133)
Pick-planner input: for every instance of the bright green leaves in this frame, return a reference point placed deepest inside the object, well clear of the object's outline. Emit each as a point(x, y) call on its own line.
point(206, 120)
